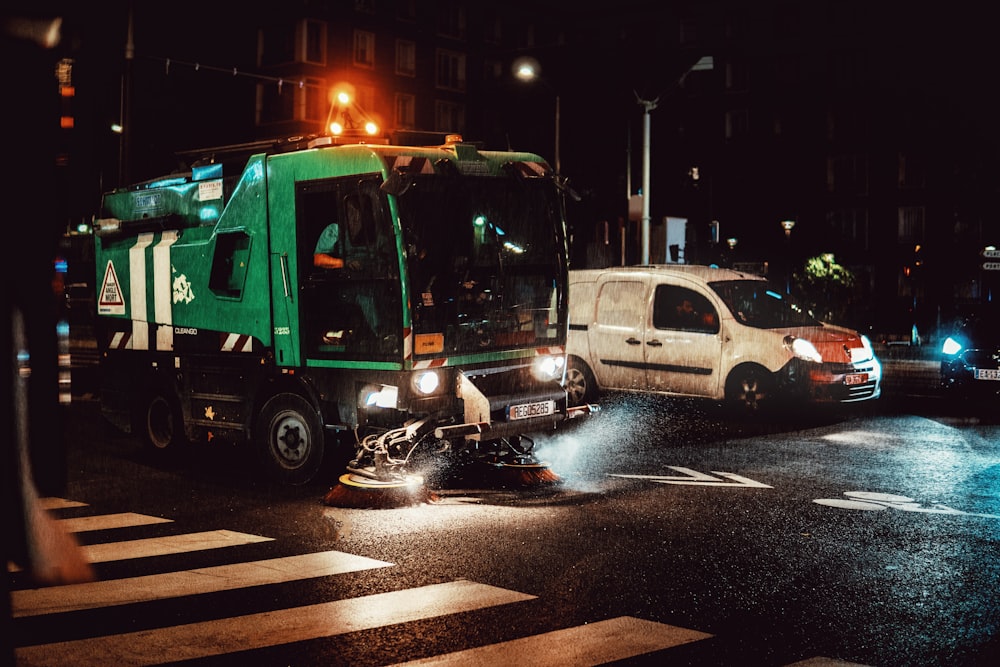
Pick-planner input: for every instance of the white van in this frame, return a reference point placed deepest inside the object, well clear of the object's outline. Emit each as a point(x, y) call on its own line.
point(686, 330)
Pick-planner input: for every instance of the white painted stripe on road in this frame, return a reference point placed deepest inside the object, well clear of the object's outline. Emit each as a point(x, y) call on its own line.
point(591, 644)
point(49, 503)
point(84, 524)
point(273, 628)
point(58, 599)
point(170, 544)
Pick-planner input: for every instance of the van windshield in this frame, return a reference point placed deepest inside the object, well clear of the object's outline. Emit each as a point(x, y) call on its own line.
point(753, 304)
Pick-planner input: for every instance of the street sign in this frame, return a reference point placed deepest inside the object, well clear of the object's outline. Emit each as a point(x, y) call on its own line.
point(991, 266)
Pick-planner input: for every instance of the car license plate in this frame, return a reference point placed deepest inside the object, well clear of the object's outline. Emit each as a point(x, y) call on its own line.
point(988, 373)
point(855, 378)
point(528, 410)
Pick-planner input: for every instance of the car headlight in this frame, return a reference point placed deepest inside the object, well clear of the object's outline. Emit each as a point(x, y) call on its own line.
point(951, 346)
point(803, 349)
point(548, 367)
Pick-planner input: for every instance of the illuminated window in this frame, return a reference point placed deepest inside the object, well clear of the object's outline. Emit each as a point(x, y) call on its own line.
point(364, 48)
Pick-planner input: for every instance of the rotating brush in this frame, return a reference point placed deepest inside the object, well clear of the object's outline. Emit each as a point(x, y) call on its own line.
point(354, 491)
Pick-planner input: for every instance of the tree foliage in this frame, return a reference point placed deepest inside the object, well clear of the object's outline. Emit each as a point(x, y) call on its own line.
point(826, 288)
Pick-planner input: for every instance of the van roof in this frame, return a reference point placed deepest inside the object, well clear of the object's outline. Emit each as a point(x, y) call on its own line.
point(697, 271)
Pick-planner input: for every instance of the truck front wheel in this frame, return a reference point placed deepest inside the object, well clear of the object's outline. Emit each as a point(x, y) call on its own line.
point(289, 439)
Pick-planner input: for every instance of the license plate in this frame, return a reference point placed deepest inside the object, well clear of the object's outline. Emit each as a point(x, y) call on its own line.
point(988, 373)
point(528, 410)
point(855, 378)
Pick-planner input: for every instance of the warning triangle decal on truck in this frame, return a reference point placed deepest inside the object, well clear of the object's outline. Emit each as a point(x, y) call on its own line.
point(110, 301)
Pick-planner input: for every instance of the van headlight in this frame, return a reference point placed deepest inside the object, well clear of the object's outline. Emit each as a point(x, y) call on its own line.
point(803, 349)
point(548, 367)
point(951, 346)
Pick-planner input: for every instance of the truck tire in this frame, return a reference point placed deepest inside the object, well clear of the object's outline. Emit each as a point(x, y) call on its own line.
point(581, 388)
point(289, 439)
point(159, 424)
point(750, 391)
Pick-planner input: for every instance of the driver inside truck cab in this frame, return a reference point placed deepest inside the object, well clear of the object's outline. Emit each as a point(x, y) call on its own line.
point(334, 252)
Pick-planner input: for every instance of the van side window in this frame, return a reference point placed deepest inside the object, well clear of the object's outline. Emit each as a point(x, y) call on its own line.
point(683, 309)
point(622, 304)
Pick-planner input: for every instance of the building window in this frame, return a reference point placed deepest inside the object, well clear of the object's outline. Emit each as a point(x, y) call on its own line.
point(911, 224)
point(737, 124)
point(304, 100)
point(364, 97)
point(313, 42)
point(851, 224)
point(364, 6)
point(687, 33)
point(912, 172)
point(364, 48)
point(847, 174)
point(450, 70)
point(737, 77)
point(406, 117)
point(451, 20)
point(449, 117)
point(406, 10)
point(492, 27)
point(406, 57)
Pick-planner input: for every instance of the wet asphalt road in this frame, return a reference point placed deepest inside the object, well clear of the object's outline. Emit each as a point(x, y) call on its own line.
point(867, 536)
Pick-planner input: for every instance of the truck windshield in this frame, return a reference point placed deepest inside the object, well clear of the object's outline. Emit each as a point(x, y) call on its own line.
point(753, 304)
point(484, 258)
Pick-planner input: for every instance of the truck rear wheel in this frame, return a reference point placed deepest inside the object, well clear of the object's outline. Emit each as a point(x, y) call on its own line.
point(158, 422)
point(289, 439)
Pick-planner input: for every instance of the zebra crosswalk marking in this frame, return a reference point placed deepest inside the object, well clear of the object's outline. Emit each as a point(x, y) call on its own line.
point(53, 600)
point(272, 628)
point(592, 644)
point(85, 524)
point(50, 503)
point(170, 544)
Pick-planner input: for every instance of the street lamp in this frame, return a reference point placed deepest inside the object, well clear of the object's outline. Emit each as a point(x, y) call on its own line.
point(787, 225)
point(704, 63)
point(527, 69)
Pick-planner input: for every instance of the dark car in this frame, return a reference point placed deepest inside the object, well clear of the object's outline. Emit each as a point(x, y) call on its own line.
point(970, 353)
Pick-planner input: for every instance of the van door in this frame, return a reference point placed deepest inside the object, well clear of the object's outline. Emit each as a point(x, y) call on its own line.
point(616, 335)
point(683, 344)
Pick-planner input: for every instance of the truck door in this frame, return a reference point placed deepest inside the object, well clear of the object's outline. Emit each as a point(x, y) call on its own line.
point(616, 337)
point(683, 345)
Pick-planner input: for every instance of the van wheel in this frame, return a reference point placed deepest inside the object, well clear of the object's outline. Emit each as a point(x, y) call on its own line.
point(289, 438)
point(581, 388)
point(158, 422)
point(750, 390)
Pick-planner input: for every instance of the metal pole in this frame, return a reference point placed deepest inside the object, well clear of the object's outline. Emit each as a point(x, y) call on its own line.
point(648, 106)
point(558, 170)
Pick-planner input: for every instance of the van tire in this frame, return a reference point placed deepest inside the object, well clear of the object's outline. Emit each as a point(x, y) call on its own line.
point(581, 388)
point(289, 439)
point(750, 390)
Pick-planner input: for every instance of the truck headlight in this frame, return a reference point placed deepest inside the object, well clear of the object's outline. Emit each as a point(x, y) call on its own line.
point(548, 367)
point(426, 383)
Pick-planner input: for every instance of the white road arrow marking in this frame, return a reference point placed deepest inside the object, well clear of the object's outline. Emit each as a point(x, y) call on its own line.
point(868, 500)
point(695, 478)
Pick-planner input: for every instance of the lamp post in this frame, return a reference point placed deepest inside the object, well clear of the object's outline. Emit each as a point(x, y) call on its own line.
point(787, 225)
point(704, 63)
point(527, 69)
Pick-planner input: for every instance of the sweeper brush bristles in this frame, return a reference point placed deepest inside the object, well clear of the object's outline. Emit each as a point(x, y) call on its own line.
point(359, 492)
point(519, 476)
